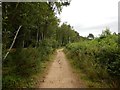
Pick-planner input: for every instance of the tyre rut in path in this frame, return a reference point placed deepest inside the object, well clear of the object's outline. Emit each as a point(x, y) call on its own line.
point(60, 74)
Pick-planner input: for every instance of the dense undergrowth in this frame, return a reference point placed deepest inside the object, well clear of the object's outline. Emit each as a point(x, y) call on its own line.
point(22, 64)
point(98, 59)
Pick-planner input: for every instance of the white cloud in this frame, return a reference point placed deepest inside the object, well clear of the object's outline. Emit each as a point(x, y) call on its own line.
point(84, 14)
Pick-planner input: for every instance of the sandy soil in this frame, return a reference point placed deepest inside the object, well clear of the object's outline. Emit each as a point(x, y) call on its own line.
point(60, 74)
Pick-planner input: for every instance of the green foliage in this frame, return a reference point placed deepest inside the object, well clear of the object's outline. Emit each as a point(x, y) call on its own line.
point(90, 36)
point(26, 61)
point(35, 41)
point(10, 81)
point(105, 33)
point(99, 59)
point(23, 63)
point(33, 30)
point(66, 34)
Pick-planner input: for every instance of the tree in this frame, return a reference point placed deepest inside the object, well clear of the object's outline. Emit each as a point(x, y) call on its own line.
point(90, 36)
point(66, 34)
point(38, 20)
point(105, 33)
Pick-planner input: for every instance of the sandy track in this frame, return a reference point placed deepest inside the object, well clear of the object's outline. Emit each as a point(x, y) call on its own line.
point(60, 74)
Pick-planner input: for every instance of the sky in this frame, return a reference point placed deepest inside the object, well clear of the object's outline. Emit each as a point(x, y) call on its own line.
point(91, 16)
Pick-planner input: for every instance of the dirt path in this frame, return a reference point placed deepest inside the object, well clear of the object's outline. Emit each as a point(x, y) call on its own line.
point(60, 74)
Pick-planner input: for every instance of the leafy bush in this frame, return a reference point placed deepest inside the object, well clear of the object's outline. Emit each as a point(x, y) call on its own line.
point(98, 58)
point(23, 63)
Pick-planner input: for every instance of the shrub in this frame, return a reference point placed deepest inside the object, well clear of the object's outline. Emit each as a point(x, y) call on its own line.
point(22, 64)
point(98, 58)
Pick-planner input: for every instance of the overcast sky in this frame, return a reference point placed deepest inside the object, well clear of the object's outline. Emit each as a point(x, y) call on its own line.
point(91, 16)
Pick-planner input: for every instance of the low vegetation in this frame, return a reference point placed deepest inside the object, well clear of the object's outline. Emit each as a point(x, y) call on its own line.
point(39, 34)
point(98, 59)
point(20, 66)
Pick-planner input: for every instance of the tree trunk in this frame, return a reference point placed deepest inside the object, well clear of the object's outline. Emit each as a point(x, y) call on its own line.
point(12, 42)
point(23, 43)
